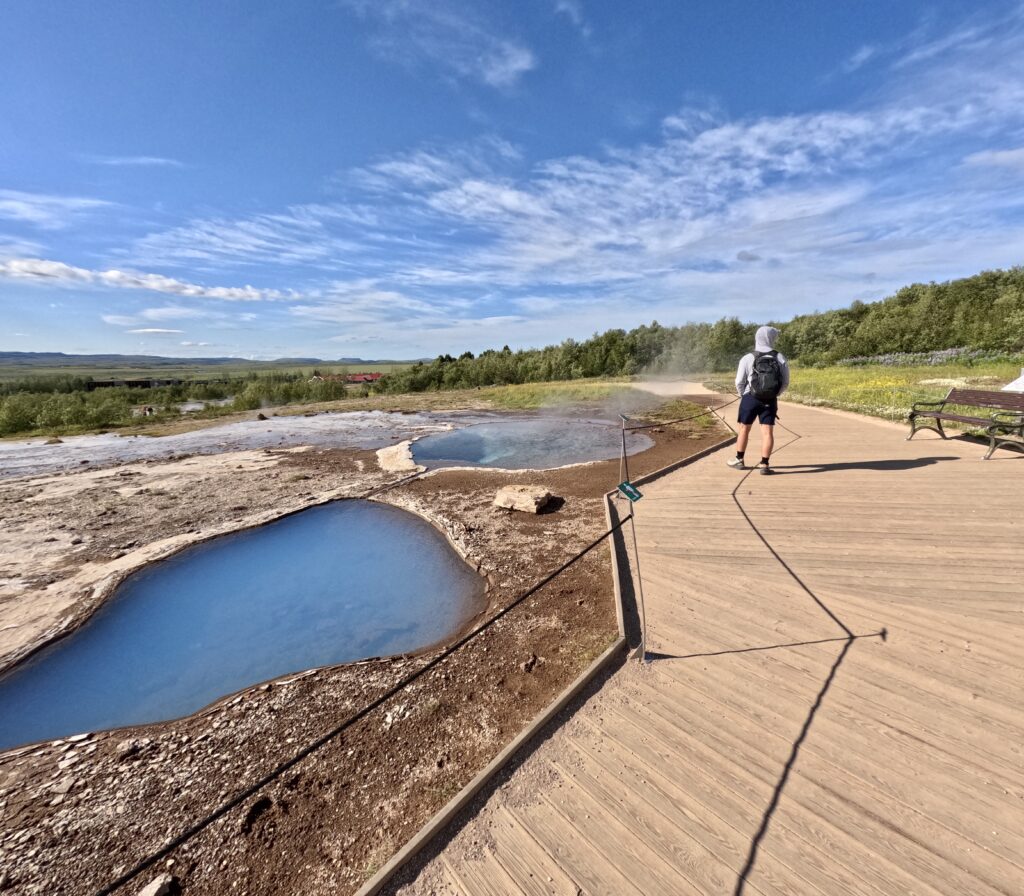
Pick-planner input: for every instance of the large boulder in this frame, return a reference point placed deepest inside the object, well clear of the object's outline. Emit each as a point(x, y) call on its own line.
point(527, 498)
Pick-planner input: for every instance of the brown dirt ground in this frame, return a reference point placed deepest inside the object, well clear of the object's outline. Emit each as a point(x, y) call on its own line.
point(76, 813)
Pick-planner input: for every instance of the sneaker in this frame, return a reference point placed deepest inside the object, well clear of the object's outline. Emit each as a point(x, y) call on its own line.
point(736, 462)
point(765, 470)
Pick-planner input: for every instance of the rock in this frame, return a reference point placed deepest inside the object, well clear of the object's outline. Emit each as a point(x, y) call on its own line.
point(54, 441)
point(527, 498)
point(63, 786)
point(398, 459)
point(261, 416)
point(128, 748)
point(164, 885)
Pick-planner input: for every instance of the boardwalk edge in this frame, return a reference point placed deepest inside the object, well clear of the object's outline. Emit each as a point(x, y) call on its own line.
point(464, 796)
point(448, 812)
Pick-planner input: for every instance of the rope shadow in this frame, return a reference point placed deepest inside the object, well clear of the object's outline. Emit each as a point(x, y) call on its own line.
point(654, 656)
point(847, 639)
point(780, 785)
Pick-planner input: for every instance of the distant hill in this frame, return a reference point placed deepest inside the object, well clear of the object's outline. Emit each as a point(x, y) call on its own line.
point(60, 359)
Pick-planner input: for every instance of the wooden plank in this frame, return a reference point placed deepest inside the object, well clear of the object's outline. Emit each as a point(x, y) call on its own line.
point(911, 734)
point(524, 858)
point(802, 837)
point(624, 847)
point(586, 861)
point(482, 877)
point(990, 687)
point(700, 801)
point(911, 778)
point(908, 869)
point(843, 755)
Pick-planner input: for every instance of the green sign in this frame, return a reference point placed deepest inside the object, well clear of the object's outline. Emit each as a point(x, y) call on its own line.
point(630, 491)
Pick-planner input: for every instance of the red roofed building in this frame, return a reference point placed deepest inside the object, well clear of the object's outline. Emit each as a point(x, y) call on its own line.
point(346, 377)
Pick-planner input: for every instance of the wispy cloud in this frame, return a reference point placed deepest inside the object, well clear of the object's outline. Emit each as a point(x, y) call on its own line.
point(16, 247)
point(45, 211)
point(444, 36)
point(156, 331)
point(135, 161)
point(997, 158)
point(860, 58)
point(573, 11)
point(36, 269)
point(299, 235)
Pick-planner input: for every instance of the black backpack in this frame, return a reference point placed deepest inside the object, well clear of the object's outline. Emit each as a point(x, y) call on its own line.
point(766, 376)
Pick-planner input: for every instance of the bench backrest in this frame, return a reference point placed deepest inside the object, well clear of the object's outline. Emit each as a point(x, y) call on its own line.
point(1004, 401)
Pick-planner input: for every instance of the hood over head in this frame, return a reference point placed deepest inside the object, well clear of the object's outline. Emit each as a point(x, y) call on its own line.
point(764, 339)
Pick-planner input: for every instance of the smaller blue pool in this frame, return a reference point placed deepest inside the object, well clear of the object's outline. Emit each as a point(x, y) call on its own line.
point(332, 584)
point(533, 444)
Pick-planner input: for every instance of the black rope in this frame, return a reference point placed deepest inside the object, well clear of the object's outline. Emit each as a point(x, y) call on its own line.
point(324, 739)
point(252, 789)
point(703, 413)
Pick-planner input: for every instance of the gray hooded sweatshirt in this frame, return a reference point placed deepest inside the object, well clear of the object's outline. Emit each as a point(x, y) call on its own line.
point(764, 341)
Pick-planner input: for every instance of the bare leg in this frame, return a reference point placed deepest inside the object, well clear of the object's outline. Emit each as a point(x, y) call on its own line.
point(767, 440)
point(743, 437)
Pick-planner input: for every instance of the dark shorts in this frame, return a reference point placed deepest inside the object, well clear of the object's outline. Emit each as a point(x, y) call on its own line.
point(752, 409)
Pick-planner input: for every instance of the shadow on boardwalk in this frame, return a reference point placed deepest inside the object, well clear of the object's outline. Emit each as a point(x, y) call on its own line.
point(878, 465)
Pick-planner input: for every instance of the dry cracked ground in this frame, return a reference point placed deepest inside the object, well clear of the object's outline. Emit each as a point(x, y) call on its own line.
point(78, 812)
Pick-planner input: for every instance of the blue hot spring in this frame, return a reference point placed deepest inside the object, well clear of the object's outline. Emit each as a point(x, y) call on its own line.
point(535, 444)
point(332, 584)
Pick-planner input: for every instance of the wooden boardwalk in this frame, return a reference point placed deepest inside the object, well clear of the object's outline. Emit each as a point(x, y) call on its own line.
point(777, 743)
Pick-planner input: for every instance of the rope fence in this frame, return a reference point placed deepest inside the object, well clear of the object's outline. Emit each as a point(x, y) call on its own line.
point(326, 738)
point(233, 802)
point(704, 413)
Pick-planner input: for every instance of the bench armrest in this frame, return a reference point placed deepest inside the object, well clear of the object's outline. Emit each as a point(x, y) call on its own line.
point(1009, 419)
point(921, 405)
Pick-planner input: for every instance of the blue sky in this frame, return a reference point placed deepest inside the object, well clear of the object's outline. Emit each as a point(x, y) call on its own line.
point(400, 178)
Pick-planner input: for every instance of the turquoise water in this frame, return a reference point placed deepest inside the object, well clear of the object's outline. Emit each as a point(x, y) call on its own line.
point(332, 584)
point(527, 444)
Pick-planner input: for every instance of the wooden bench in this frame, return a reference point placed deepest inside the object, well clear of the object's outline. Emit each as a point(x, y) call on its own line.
point(1004, 426)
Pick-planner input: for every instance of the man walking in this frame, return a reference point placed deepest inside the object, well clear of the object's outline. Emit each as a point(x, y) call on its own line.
point(761, 377)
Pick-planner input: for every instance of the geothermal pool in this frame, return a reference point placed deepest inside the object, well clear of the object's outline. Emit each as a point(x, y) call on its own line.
point(332, 584)
point(535, 443)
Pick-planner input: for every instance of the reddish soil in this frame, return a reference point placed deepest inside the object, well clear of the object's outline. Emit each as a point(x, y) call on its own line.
point(77, 813)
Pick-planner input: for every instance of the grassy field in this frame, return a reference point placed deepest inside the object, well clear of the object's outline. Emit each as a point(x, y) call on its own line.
point(531, 396)
point(883, 391)
point(677, 409)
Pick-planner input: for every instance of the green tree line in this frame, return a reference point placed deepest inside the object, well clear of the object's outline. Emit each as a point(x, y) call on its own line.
point(50, 406)
point(984, 312)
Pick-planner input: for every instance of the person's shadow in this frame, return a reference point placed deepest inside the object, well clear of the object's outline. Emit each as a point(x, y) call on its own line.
point(880, 465)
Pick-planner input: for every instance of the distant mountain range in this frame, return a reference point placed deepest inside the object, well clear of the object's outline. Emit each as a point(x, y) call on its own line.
point(60, 359)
